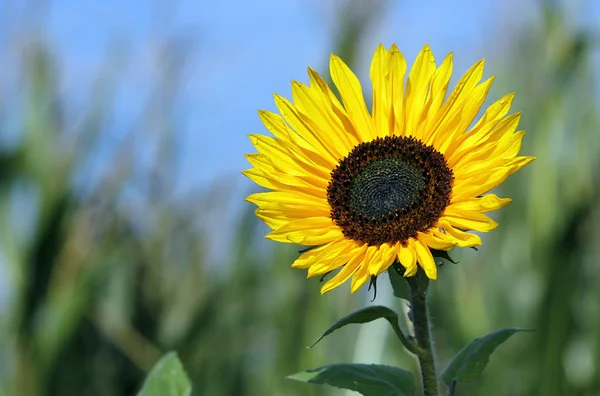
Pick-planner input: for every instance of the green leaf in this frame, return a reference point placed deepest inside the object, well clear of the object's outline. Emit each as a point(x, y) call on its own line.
point(364, 315)
point(470, 362)
point(368, 379)
point(399, 283)
point(167, 378)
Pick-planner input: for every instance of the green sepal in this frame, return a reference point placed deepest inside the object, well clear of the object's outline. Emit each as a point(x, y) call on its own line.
point(368, 379)
point(399, 283)
point(442, 254)
point(167, 378)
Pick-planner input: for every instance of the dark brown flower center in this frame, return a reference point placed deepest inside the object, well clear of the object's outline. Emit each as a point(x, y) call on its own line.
point(388, 189)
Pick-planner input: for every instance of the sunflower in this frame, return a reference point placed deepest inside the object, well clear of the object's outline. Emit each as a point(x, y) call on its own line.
point(366, 189)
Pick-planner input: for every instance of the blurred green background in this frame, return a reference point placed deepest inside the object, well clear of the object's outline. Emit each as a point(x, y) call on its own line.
point(105, 263)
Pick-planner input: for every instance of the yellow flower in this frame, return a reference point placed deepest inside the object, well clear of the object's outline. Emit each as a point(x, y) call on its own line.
point(366, 189)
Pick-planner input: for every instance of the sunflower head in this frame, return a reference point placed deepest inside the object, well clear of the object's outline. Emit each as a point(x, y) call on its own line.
point(366, 188)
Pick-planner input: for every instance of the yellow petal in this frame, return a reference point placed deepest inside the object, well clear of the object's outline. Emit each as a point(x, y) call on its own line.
point(450, 113)
point(309, 257)
point(483, 176)
point(271, 222)
point(287, 175)
point(484, 149)
point(288, 198)
point(340, 248)
point(258, 177)
point(334, 106)
point(385, 258)
point(460, 238)
point(479, 133)
point(274, 180)
point(361, 275)
point(492, 116)
point(417, 88)
point(395, 91)
point(314, 238)
point(480, 183)
point(466, 220)
point(467, 114)
point(327, 257)
point(275, 124)
point(294, 119)
point(436, 242)
point(288, 214)
point(520, 162)
point(425, 259)
point(347, 271)
point(437, 94)
point(302, 151)
point(408, 258)
point(378, 72)
point(309, 231)
point(325, 124)
point(487, 203)
point(509, 145)
point(352, 97)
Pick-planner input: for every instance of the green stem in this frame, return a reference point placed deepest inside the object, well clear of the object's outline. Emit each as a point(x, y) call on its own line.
point(420, 318)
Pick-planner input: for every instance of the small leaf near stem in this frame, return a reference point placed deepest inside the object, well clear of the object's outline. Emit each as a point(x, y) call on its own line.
point(420, 318)
point(370, 314)
point(470, 362)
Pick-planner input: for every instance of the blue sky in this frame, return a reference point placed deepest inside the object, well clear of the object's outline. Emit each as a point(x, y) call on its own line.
point(246, 51)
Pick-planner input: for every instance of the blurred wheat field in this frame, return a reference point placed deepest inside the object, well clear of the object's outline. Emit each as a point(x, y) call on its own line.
point(105, 267)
